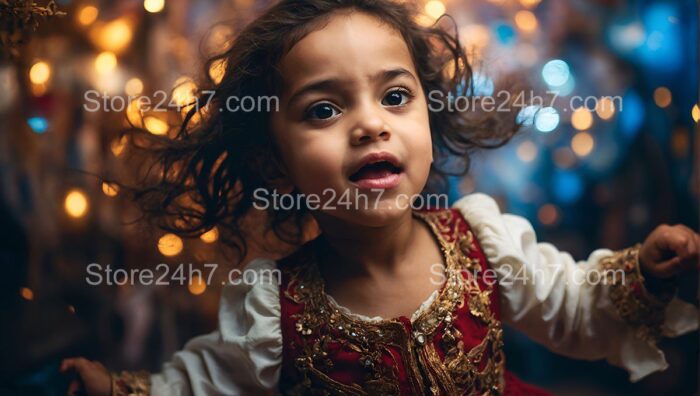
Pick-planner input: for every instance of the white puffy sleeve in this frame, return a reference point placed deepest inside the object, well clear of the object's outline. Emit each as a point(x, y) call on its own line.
point(592, 309)
point(242, 357)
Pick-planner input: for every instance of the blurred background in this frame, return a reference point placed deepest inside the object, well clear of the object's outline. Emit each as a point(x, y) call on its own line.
point(588, 173)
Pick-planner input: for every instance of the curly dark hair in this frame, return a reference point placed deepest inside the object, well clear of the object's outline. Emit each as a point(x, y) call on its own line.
point(208, 172)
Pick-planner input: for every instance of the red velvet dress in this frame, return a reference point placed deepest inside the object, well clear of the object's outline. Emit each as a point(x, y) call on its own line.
point(453, 347)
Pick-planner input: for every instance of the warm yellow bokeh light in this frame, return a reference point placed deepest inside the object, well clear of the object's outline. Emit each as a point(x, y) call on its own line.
point(529, 3)
point(40, 73)
point(154, 6)
point(184, 91)
point(680, 142)
point(26, 293)
point(76, 203)
point(110, 189)
point(113, 36)
point(133, 87)
point(155, 125)
point(662, 97)
point(105, 62)
point(527, 151)
point(605, 108)
point(525, 21)
point(548, 214)
point(210, 236)
point(217, 70)
point(695, 113)
point(134, 113)
point(582, 144)
point(117, 146)
point(170, 245)
point(87, 15)
point(434, 8)
point(581, 119)
point(475, 37)
point(197, 285)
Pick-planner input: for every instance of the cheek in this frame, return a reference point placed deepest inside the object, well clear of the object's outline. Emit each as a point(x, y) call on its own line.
point(313, 164)
point(420, 144)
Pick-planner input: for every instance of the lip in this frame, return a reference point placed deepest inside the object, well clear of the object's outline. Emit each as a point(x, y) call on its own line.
point(387, 182)
point(372, 158)
point(383, 183)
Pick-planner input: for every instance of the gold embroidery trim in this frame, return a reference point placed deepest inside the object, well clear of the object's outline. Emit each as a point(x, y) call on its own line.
point(633, 302)
point(458, 371)
point(131, 383)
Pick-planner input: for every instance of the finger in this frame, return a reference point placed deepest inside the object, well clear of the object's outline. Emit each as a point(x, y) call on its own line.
point(78, 364)
point(674, 240)
point(692, 248)
point(668, 268)
point(67, 364)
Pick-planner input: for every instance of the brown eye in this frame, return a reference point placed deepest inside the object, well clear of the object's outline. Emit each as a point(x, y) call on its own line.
point(322, 111)
point(397, 97)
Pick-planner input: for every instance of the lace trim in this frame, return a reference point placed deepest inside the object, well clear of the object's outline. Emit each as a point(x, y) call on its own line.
point(634, 302)
point(131, 383)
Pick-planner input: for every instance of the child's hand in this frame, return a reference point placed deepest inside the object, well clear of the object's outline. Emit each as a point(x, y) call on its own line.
point(669, 250)
point(94, 380)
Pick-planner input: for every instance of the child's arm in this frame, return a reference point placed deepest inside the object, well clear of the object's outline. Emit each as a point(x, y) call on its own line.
point(243, 356)
point(593, 309)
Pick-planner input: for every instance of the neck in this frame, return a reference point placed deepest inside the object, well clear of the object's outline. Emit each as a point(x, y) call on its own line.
point(365, 250)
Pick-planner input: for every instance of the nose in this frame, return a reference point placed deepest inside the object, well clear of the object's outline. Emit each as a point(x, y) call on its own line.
point(370, 126)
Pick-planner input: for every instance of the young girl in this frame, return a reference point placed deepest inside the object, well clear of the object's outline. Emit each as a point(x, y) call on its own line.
point(386, 299)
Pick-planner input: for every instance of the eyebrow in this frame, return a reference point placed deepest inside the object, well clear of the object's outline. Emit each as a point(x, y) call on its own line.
point(330, 83)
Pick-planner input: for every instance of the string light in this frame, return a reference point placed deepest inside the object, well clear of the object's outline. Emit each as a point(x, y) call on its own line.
point(217, 70)
point(76, 203)
point(155, 125)
point(170, 245)
point(525, 21)
point(680, 142)
point(662, 97)
point(548, 214)
point(134, 114)
point(110, 189)
point(117, 145)
point(581, 119)
point(546, 119)
point(605, 108)
point(556, 73)
point(196, 285)
point(184, 91)
point(26, 293)
point(529, 3)
point(210, 236)
point(695, 113)
point(435, 8)
point(527, 151)
point(154, 6)
point(40, 73)
point(87, 15)
point(114, 36)
point(133, 87)
point(582, 144)
point(105, 62)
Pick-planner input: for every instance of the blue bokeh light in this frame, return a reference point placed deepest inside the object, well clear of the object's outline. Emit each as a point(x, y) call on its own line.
point(38, 124)
point(556, 73)
point(547, 119)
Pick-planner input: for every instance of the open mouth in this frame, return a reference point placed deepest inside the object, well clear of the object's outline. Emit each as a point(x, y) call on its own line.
point(375, 171)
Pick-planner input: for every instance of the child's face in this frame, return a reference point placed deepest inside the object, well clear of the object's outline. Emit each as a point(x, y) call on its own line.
point(351, 90)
